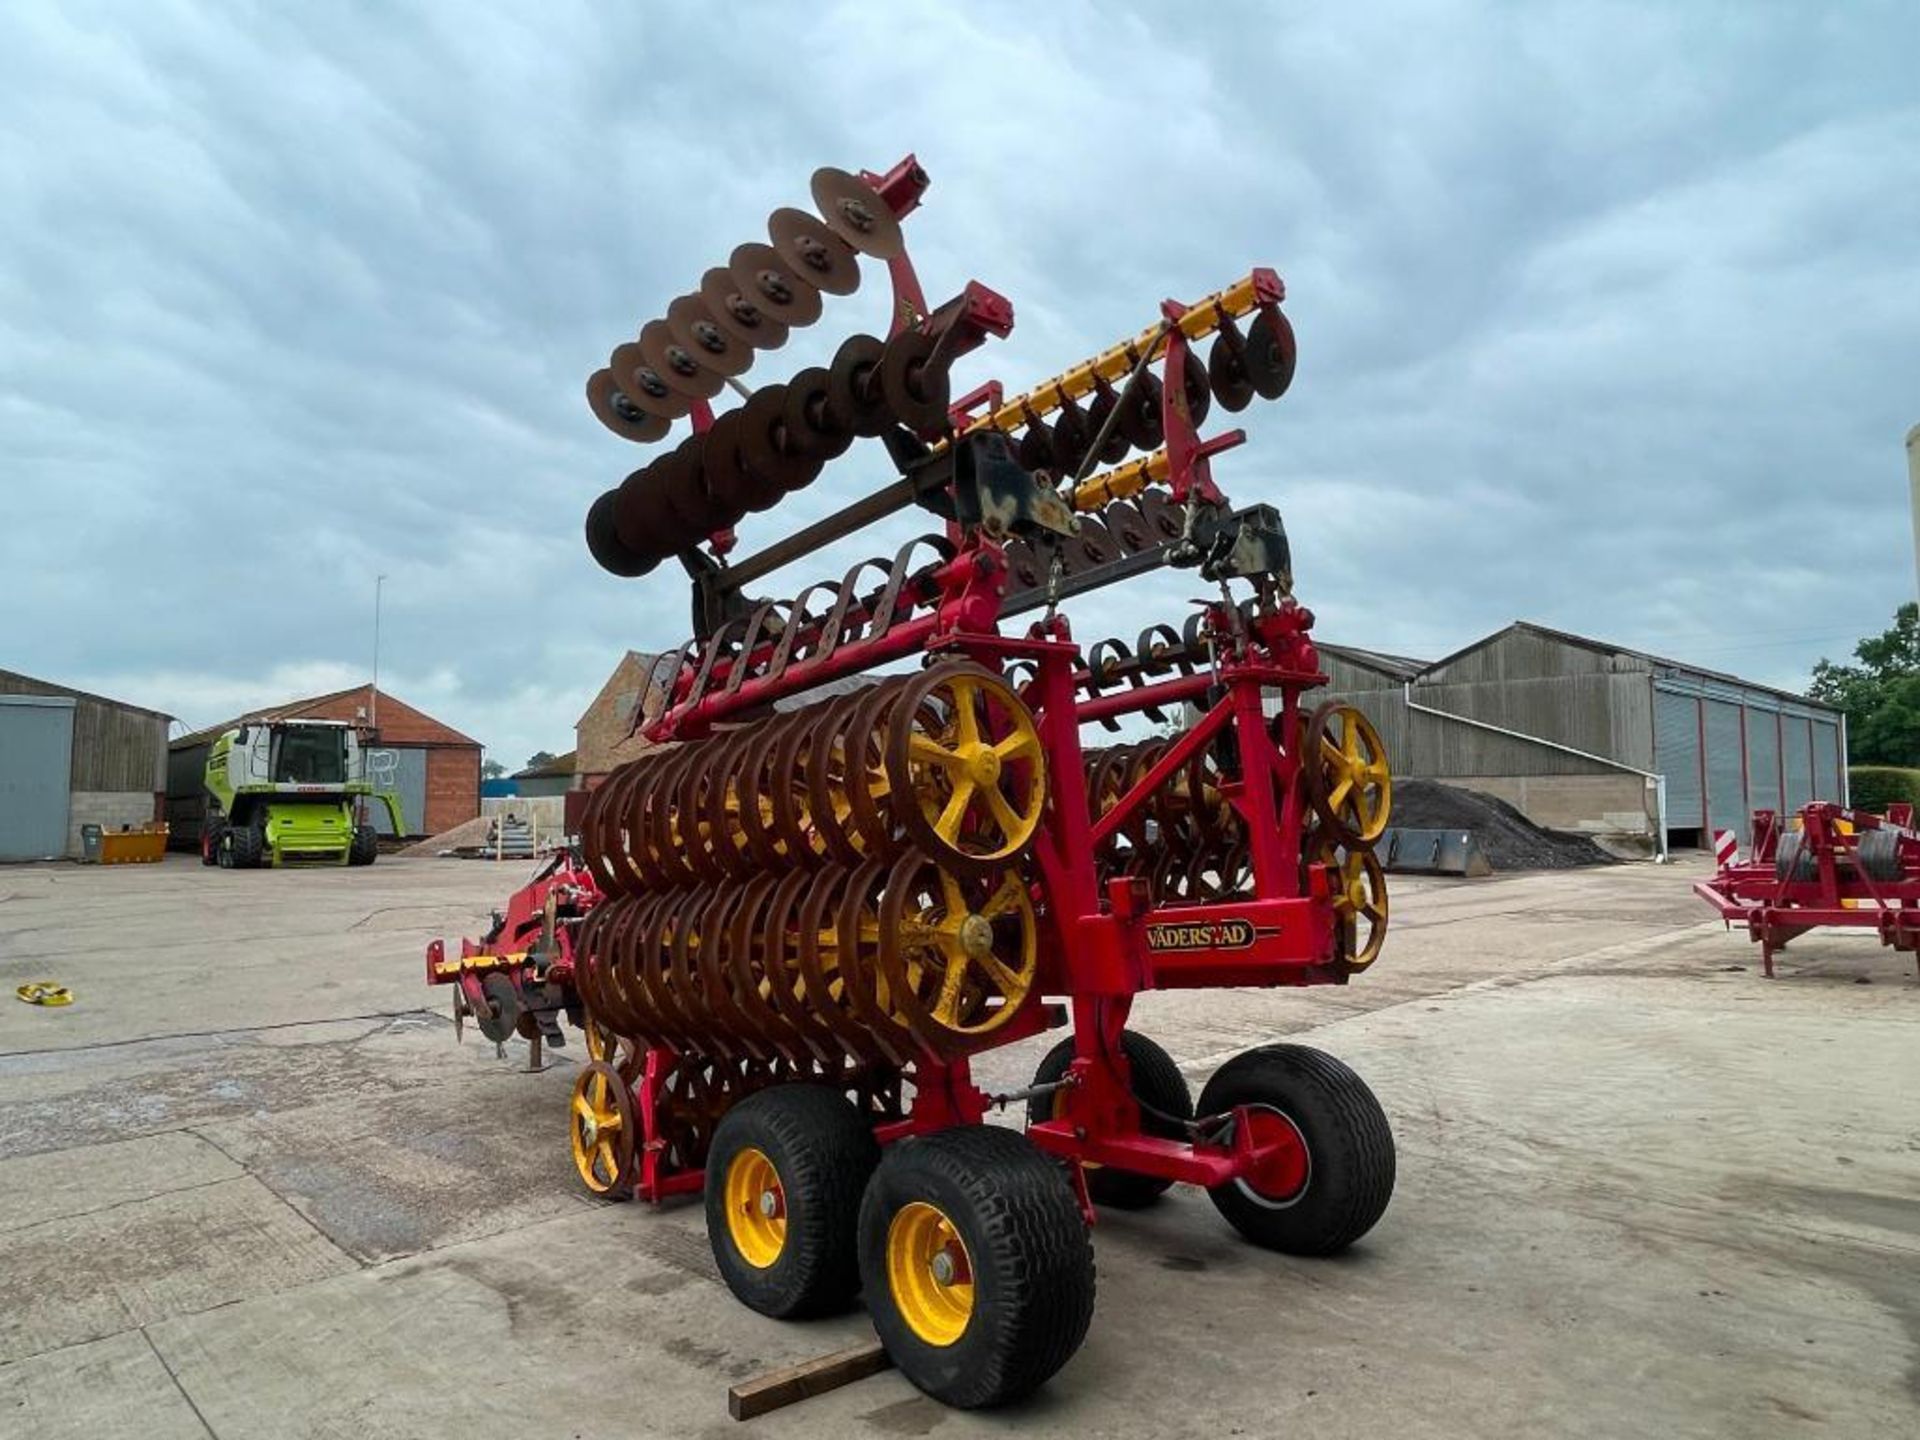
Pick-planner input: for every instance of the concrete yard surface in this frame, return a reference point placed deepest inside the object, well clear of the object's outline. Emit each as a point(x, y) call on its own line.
point(249, 1186)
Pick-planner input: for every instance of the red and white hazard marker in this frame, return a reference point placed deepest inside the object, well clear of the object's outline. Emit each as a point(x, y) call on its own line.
point(1726, 845)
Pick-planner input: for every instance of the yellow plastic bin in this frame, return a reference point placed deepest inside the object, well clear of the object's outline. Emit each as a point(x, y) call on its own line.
point(142, 845)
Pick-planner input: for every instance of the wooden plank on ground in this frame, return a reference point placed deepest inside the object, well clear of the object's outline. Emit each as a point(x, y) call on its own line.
point(810, 1377)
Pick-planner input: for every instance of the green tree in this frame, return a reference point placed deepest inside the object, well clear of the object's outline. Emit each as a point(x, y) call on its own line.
point(540, 757)
point(1880, 695)
point(492, 770)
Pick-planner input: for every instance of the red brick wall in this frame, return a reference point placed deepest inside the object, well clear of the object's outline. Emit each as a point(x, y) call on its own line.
point(398, 722)
point(453, 784)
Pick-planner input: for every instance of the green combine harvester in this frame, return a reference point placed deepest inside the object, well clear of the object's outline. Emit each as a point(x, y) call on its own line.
point(285, 792)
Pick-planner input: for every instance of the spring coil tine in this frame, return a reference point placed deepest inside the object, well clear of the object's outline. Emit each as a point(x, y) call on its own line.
point(764, 615)
point(1161, 648)
point(848, 610)
point(1105, 659)
point(1194, 642)
point(914, 582)
point(802, 623)
point(663, 676)
point(722, 644)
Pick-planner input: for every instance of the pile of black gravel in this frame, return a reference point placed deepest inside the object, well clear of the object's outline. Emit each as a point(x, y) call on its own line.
point(1507, 838)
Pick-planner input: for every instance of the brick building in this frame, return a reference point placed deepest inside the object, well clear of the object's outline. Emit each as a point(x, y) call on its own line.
point(605, 737)
point(437, 776)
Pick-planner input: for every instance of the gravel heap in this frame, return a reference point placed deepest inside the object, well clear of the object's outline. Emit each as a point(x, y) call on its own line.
point(471, 832)
point(1507, 838)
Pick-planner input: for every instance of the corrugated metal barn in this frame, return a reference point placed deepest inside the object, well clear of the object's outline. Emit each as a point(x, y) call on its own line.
point(1574, 731)
point(69, 759)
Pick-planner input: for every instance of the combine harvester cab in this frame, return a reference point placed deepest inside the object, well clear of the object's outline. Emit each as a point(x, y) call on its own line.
point(287, 792)
point(840, 882)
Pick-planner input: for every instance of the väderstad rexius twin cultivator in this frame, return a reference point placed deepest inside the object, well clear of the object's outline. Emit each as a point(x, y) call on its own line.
point(807, 920)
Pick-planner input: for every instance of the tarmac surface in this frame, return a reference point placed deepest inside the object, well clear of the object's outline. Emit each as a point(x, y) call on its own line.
point(250, 1187)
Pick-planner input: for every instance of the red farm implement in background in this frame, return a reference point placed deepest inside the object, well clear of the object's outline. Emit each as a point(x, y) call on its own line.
point(518, 979)
point(874, 840)
point(1828, 866)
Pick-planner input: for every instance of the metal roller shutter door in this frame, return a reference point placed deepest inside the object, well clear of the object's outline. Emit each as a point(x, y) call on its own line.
point(1796, 758)
point(1727, 807)
point(1763, 759)
point(1676, 754)
point(36, 774)
point(1826, 761)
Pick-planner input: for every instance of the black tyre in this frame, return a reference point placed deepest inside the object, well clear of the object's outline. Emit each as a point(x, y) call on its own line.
point(1157, 1084)
point(784, 1180)
point(364, 848)
point(977, 1264)
point(246, 846)
point(210, 843)
point(1321, 1202)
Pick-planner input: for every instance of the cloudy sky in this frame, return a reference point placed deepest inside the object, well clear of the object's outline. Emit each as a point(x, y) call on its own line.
point(1609, 316)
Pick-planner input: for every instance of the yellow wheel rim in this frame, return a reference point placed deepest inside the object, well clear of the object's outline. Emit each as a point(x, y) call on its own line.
point(596, 1129)
point(756, 1208)
point(981, 796)
point(601, 1045)
point(929, 1273)
point(1362, 895)
point(1356, 784)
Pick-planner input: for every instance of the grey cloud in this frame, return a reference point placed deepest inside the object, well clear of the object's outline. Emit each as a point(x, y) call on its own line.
point(1607, 314)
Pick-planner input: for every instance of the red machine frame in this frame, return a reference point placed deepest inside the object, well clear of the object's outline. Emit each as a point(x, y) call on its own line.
point(1775, 907)
point(1108, 945)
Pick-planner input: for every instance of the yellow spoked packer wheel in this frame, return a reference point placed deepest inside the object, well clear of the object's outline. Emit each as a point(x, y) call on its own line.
point(1345, 768)
point(958, 952)
point(601, 1128)
point(965, 767)
point(1360, 903)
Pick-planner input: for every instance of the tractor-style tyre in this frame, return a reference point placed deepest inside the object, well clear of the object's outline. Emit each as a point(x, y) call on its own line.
point(246, 846)
point(1157, 1085)
point(977, 1264)
point(364, 848)
point(210, 843)
point(1326, 1203)
point(784, 1179)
